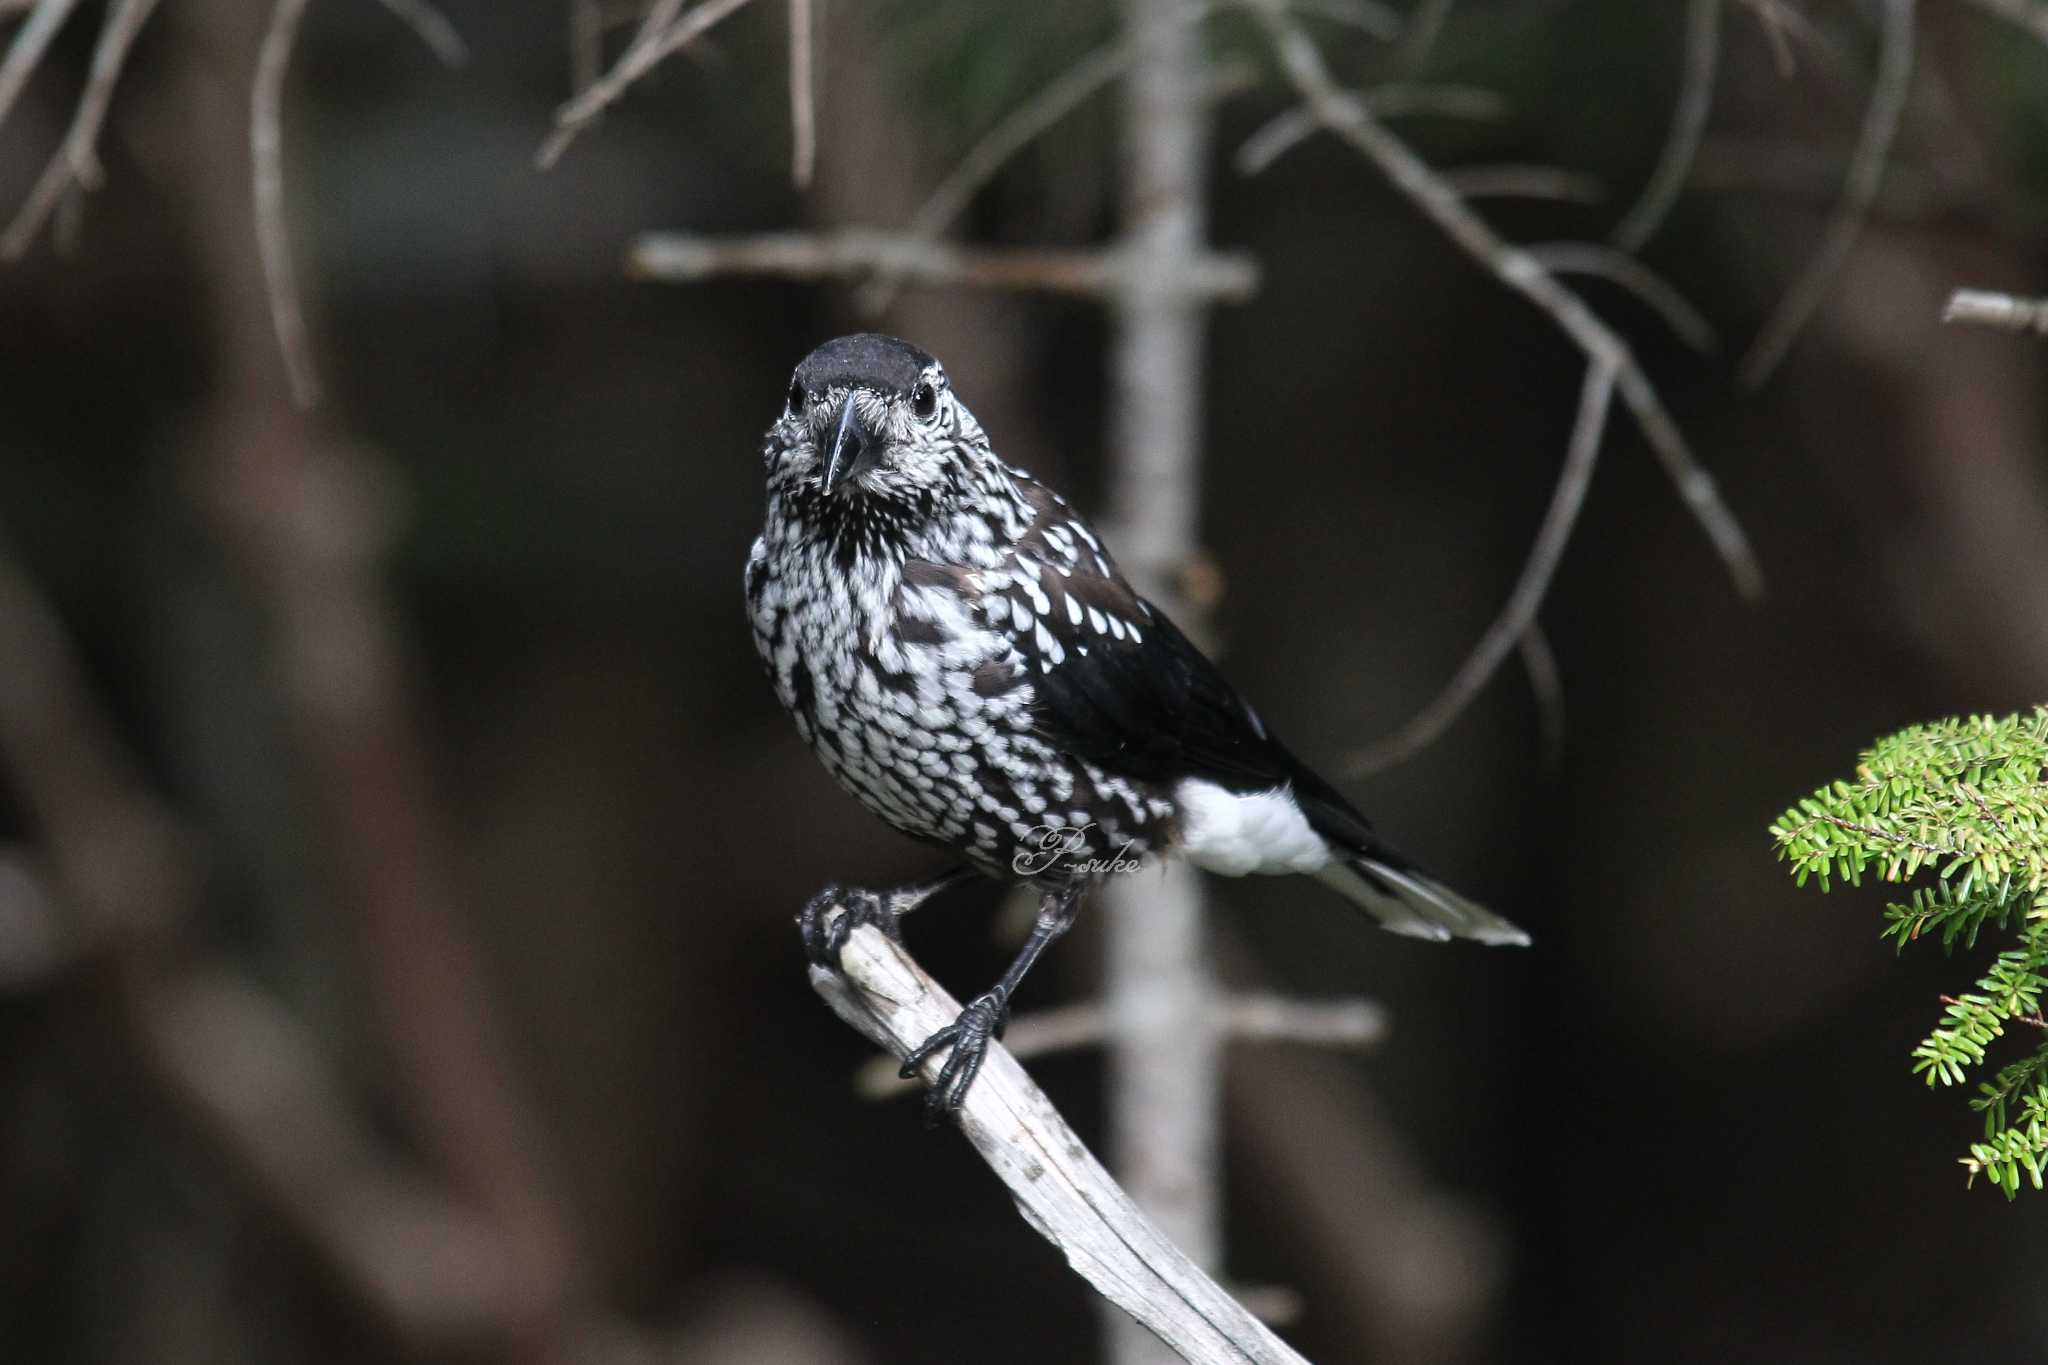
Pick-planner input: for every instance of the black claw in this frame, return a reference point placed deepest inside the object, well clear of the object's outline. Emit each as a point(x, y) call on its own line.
point(983, 1019)
point(824, 936)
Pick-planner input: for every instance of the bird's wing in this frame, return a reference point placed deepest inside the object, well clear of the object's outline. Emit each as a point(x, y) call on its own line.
point(1116, 683)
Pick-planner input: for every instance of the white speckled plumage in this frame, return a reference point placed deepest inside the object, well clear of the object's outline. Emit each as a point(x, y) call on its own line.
point(955, 644)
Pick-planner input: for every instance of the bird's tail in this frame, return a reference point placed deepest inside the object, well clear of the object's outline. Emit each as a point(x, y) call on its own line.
point(1407, 901)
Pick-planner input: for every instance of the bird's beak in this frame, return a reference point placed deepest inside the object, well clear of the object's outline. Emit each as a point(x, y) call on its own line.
point(852, 448)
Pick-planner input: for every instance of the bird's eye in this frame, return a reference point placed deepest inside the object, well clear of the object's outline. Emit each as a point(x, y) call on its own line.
point(924, 401)
point(796, 396)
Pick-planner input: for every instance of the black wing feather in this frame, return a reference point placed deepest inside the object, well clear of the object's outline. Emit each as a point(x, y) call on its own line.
point(1157, 709)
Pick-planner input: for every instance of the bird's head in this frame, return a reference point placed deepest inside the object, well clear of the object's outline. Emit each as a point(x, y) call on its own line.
point(870, 420)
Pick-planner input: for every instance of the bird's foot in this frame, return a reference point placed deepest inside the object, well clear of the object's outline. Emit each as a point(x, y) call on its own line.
point(825, 934)
point(982, 1020)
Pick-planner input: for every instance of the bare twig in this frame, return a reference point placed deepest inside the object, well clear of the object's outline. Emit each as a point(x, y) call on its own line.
point(1061, 1190)
point(1016, 130)
point(1859, 189)
point(1608, 355)
point(30, 43)
point(1289, 129)
point(1999, 312)
point(1524, 182)
point(1519, 615)
point(803, 99)
point(1591, 258)
point(664, 32)
point(266, 179)
point(853, 255)
point(433, 29)
point(76, 162)
point(1688, 122)
point(1262, 1018)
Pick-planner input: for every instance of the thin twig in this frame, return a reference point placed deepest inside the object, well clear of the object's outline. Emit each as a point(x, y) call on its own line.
point(1263, 1018)
point(30, 42)
point(1016, 130)
point(1591, 258)
point(854, 255)
point(1688, 123)
point(1608, 355)
point(433, 29)
point(1519, 614)
point(1062, 1191)
point(1859, 189)
point(661, 35)
point(1288, 129)
point(77, 159)
point(273, 237)
point(803, 103)
point(1524, 182)
point(1999, 312)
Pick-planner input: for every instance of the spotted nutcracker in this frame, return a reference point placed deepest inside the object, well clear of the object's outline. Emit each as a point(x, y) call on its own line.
point(955, 643)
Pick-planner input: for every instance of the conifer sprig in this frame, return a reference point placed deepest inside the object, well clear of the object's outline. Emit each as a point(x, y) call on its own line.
point(1963, 802)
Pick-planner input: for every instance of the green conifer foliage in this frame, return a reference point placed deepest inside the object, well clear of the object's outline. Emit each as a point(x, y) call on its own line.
point(1962, 807)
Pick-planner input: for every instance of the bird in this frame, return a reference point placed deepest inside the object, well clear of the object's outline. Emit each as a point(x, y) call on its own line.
point(955, 643)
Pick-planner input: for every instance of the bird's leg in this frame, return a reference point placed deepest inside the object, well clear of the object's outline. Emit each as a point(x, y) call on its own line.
point(823, 937)
point(988, 1014)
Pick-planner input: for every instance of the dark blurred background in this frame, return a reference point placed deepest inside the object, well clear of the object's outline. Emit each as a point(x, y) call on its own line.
point(426, 728)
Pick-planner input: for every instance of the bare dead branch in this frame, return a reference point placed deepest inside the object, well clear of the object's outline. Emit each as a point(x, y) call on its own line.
point(803, 103)
point(1608, 355)
point(433, 29)
point(1347, 1024)
point(852, 255)
point(266, 179)
point(28, 47)
point(1859, 189)
point(76, 163)
point(664, 32)
point(1688, 123)
point(1062, 1191)
point(1518, 616)
point(1524, 182)
point(1591, 258)
point(1999, 312)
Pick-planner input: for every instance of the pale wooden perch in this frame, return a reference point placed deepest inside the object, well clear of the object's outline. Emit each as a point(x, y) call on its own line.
point(1060, 1188)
